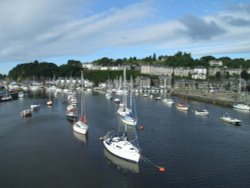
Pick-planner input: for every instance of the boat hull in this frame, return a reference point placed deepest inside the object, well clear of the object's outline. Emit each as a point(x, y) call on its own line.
point(201, 113)
point(182, 108)
point(231, 121)
point(71, 117)
point(129, 120)
point(242, 107)
point(35, 107)
point(168, 101)
point(26, 113)
point(79, 127)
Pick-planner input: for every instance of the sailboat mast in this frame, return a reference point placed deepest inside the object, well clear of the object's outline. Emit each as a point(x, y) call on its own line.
point(165, 86)
point(124, 88)
point(131, 88)
point(81, 93)
point(239, 81)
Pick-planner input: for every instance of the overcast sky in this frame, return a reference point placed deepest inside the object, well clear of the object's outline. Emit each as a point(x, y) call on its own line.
point(85, 30)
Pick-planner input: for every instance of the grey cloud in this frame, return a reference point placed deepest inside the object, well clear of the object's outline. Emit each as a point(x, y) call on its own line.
point(199, 29)
point(236, 21)
point(245, 7)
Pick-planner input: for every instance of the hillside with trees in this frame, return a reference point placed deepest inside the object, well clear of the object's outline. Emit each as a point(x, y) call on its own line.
point(46, 70)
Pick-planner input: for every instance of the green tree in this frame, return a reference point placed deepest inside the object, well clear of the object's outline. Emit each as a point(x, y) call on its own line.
point(207, 58)
point(218, 75)
point(244, 75)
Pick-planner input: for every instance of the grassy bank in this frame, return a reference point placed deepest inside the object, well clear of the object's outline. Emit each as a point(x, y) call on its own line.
point(224, 99)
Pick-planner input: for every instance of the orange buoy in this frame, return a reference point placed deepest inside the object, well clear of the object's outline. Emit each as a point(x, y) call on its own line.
point(162, 169)
point(141, 127)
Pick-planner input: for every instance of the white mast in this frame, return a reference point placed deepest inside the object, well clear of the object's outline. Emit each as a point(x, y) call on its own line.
point(124, 88)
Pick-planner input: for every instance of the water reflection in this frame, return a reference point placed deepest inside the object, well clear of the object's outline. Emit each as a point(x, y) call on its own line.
point(82, 138)
point(121, 164)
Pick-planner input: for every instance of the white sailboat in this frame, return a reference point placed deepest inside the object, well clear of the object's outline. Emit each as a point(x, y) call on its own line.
point(202, 112)
point(71, 112)
point(182, 107)
point(123, 109)
point(34, 106)
point(166, 100)
point(129, 118)
point(26, 113)
point(119, 146)
point(108, 94)
point(6, 97)
point(241, 105)
point(20, 95)
point(49, 102)
point(81, 125)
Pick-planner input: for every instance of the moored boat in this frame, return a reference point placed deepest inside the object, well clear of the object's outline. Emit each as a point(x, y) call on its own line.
point(168, 101)
point(71, 114)
point(202, 112)
point(229, 119)
point(6, 97)
point(26, 113)
point(242, 106)
point(49, 103)
point(182, 107)
point(121, 147)
point(81, 125)
point(35, 107)
point(128, 119)
point(117, 100)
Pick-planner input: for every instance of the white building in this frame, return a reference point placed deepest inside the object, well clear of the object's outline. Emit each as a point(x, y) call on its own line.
point(145, 69)
point(199, 73)
point(183, 71)
point(87, 65)
point(91, 66)
point(154, 70)
point(215, 63)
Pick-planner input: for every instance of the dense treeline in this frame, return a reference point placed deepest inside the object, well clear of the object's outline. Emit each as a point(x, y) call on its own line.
point(45, 70)
point(180, 59)
point(2, 76)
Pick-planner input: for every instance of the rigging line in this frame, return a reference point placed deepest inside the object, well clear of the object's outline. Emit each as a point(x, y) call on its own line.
point(160, 168)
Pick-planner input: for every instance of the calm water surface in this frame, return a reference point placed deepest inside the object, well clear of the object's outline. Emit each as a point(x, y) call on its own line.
point(43, 151)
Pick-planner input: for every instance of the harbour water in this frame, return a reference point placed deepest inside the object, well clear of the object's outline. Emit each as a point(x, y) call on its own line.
point(43, 151)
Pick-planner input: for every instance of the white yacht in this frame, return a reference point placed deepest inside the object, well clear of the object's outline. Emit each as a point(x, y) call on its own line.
point(26, 113)
point(20, 95)
point(6, 97)
point(202, 112)
point(231, 120)
point(168, 101)
point(121, 147)
point(182, 107)
point(242, 106)
point(129, 120)
point(35, 107)
point(81, 125)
